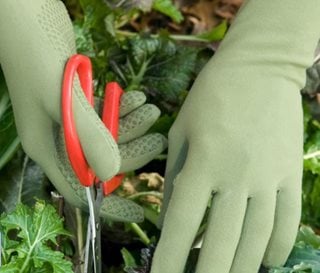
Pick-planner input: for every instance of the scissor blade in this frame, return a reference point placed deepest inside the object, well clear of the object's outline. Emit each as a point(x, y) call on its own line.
point(97, 207)
point(92, 227)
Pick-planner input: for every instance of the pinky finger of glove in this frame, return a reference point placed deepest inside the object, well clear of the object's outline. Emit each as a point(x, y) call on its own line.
point(178, 149)
point(131, 101)
point(140, 151)
point(287, 219)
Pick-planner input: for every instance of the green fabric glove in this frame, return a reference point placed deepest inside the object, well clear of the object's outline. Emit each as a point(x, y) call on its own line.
point(36, 41)
point(238, 138)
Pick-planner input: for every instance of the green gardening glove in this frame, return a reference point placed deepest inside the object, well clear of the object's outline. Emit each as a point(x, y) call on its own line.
point(36, 40)
point(238, 139)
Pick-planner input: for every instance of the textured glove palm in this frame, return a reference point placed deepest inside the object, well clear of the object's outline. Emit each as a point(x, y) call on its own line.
point(36, 41)
point(238, 138)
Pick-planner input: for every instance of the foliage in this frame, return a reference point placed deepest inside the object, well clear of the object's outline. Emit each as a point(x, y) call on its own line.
point(311, 175)
point(29, 235)
point(21, 181)
point(216, 34)
point(166, 7)
point(150, 64)
point(9, 141)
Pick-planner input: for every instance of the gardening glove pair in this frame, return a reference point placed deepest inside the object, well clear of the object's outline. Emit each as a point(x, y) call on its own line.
point(238, 141)
point(36, 41)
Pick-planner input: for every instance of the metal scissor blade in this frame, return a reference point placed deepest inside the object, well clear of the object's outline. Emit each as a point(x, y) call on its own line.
point(97, 244)
point(92, 234)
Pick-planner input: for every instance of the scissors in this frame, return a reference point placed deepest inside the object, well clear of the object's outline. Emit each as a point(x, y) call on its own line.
point(95, 188)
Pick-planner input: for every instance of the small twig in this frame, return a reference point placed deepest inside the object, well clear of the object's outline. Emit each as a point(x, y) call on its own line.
point(24, 167)
point(57, 198)
point(79, 235)
point(177, 37)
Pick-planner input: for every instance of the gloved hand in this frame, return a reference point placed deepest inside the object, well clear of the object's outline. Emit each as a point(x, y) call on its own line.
point(238, 138)
point(36, 41)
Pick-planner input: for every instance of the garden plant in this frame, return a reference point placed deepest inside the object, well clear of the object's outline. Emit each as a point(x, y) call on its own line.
point(157, 47)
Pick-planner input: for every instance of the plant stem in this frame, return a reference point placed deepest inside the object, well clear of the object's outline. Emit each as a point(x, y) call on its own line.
point(311, 155)
point(24, 166)
point(143, 236)
point(177, 37)
point(146, 193)
point(137, 78)
point(79, 234)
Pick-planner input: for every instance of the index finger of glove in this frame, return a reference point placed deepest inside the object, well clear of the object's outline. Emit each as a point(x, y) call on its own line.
point(183, 217)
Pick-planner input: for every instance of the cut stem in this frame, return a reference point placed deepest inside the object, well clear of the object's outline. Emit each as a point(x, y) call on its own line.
point(142, 235)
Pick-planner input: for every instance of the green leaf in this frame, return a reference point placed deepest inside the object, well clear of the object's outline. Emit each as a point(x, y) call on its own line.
point(160, 67)
point(95, 11)
point(168, 8)
point(54, 258)
point(128, 259)
point(216, 34)
point(9, 140)
point(22, 180)
point(35, 228)
point(162, 125)
point(83, 38)
point(307, 235)
point(109, 21)
point(170, 74)
point(13, 267)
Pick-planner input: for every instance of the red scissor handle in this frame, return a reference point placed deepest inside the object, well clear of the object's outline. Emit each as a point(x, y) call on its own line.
point(110, 117)
point(82, 65)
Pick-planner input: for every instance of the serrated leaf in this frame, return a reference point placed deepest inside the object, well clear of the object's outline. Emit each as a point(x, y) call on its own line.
point(35, 228)
point(216, 34)
point(54, 258)
point(168, 8)
point(13, 267)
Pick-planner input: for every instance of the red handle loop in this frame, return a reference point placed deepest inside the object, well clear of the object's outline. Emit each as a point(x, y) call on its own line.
point(110, 117)
point(82, 65)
